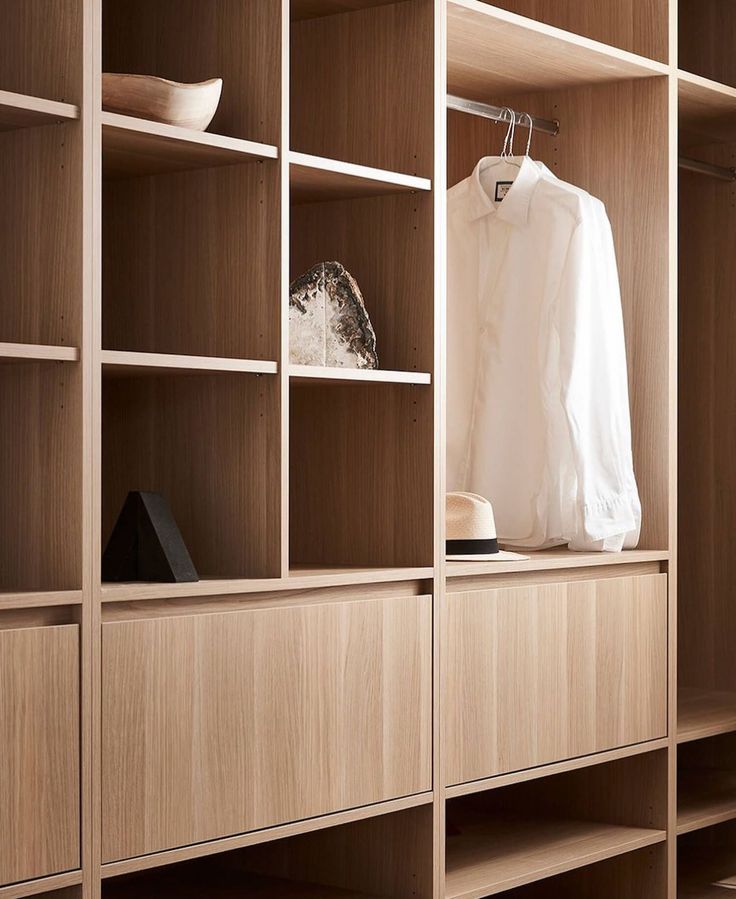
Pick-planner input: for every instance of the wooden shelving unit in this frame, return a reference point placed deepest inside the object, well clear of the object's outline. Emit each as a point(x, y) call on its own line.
point(498, 856)
point(315, 179)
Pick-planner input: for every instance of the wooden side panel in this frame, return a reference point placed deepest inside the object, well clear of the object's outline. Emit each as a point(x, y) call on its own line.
point(218, 724)
point(191, 263)
point(707, 34)
point(209, 444)
point(39, 752)
point(362, 87)
point(539, 674)
point(601, 125)
point(360, 485)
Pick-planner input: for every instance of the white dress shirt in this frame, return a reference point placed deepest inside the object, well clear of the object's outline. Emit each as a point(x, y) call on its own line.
point(538, 406)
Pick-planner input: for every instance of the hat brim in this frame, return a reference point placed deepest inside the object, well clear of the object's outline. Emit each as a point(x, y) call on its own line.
point(501, 556)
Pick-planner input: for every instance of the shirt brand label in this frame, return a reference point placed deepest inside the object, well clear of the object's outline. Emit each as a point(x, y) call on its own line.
point(502, 188)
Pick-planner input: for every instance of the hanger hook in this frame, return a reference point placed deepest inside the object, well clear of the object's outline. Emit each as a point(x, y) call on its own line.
point(528, 117)
point(508, 144)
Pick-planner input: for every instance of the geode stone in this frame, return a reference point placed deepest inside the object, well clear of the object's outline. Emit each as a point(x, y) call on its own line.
point(328, 321)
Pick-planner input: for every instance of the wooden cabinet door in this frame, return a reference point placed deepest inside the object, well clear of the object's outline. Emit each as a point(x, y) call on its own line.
point(216, 724)
point(39, 752)
point(536, 674)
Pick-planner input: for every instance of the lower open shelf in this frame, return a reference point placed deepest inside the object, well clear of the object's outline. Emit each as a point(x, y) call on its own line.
point(705, 798)
point(704, 713)
point(493, 856)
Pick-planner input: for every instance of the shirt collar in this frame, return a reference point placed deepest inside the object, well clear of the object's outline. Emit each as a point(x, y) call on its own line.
point(514, 208)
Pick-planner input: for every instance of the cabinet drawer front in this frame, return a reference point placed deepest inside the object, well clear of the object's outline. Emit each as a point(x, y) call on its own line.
point(39, 752)
point(217, 724)
point(537, 674)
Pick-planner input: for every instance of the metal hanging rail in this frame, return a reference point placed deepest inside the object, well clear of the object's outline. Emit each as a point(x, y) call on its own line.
point(499, 114)
point(722, 172)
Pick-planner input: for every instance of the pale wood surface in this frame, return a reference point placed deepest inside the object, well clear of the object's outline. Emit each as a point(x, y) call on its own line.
point(314, 179)
point(370, 376)
point(704, 713)
point(139, 37)
point(223, 488)
point(365, 740)
point(707, 111)
point(639, 26)
point(61, 886)
point(39, 763)
point(34, 600)
point(380, 811)
point(19, 351)
point(40, 239)
point(172, 284)
point(555, 559)
point(491, 52)
point(21, 111)
point(385, 243)
point(40, 474)
point(513, 652)
point(705, 798)
point(129, 364)
point(368, 99)
point(489, 858)
point(361, 475)
point(134, 147)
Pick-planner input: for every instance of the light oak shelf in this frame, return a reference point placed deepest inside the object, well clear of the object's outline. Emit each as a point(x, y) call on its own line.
point(316, 373)
point(704, 713)
point(21, 111)
point(705, 798)
point(131, 364)
point(316, 179)
point(491, 857)
point(492, 53)
point(707, 110)
point(133, 147)
point(33, 352)
point(298, 579)
point(30, 600)
point(555, 559)
point(41, 885)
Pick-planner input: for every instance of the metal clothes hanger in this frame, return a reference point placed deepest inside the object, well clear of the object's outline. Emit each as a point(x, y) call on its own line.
point(507, 151)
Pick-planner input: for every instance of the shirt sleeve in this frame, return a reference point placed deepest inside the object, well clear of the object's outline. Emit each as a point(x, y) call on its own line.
point(594, 389)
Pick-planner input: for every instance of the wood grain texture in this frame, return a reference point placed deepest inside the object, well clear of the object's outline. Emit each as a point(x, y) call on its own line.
point(707, 111)
point(238, 42)
point(602, 124)
point(360, 475)
point(40, 238)
point(362, 87)
point(206, 442)
point(41, 49)
point(707, 31)
point(126, 364)
point(704, 713)
point(491, 52)
point(49, 887)
point(39, 763)
point(134, 147)
point(535, 675)
point(221, 724)
point(313, 9)
point(386, 243)
point(40, 477)
point(638, 26)
point(178, 275)
point(22, 111)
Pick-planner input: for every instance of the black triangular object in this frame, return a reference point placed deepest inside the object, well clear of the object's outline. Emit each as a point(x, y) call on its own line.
point(146, 544)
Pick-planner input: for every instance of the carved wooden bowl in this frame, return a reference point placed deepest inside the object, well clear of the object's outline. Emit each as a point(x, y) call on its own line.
point(159, 100)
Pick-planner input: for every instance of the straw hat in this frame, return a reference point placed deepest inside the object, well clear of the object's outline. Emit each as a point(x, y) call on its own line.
point(471, 531)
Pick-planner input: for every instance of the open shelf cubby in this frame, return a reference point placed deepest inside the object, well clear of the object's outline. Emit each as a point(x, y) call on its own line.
point(193, 42)
point(205, 440)
point(361, 86)
point(385, 857)
point(706, 783)
point(191, 262)
point(361, 463)
point(41, 49)
point(707, 30)
point(515, 835)
point(627, 25)
point(704, 858)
